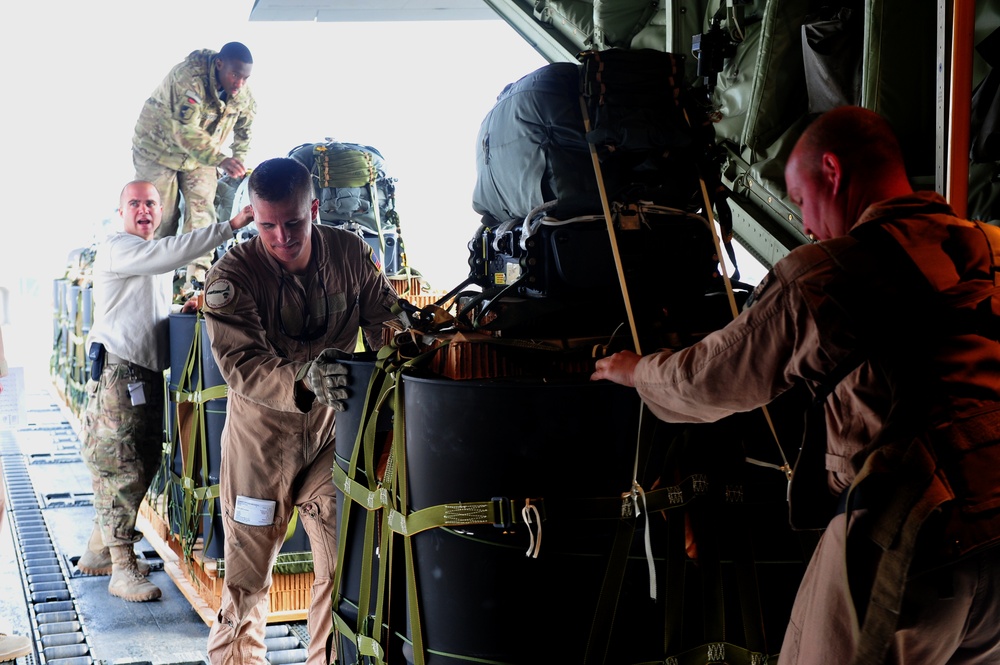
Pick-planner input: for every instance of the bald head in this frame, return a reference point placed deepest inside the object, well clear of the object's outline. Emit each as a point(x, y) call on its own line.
point(845, 161)
point(140, 209)
point(862, 140)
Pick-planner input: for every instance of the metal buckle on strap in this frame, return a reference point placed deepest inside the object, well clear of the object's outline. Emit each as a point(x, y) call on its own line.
point(503, 514)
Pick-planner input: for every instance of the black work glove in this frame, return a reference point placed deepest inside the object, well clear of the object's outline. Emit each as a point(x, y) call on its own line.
point(326, 378)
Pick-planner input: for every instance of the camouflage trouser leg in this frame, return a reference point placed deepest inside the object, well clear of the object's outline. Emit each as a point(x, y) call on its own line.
point(198, 189)
point(165, 181)
point(122, 447)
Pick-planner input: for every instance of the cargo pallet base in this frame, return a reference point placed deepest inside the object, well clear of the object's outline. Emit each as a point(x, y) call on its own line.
point(197, 576)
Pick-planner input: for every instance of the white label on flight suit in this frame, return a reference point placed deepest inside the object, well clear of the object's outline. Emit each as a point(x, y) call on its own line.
point(254, 512)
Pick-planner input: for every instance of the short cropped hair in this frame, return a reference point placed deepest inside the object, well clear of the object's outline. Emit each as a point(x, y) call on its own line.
point(862, 139)
point(280, 179)
point(236, 51)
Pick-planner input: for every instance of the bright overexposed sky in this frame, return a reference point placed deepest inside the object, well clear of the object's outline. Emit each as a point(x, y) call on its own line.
point(75, 75)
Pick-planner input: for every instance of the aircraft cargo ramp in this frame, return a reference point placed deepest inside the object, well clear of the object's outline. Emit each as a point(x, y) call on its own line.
point(71, 617)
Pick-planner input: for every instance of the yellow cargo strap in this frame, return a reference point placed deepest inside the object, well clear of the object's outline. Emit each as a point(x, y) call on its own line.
point(508, 512)
point(363, 487)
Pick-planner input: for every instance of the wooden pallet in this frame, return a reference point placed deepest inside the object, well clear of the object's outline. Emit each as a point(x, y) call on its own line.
point(197, 575)
point(411, 289)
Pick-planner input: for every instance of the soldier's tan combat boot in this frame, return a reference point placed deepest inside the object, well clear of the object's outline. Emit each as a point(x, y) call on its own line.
point(13, 646)
point(97, 559)
point(126, 580)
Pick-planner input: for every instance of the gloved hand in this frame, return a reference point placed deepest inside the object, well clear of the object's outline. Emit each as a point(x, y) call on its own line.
point(326, 378)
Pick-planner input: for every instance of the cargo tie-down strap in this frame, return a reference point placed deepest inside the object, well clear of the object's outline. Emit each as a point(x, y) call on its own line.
point(190, 439)
point(386, 519)
point(600, 635)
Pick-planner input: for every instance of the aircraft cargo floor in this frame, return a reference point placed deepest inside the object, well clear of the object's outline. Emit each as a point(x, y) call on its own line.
point(71, 617)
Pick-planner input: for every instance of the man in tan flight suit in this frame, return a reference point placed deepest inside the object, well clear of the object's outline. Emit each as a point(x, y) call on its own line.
point(182, 131)
point(892, 322)
point(280, 309)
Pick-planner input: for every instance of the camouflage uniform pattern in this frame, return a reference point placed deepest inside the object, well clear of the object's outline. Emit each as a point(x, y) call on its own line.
point(197, 186)
point(122, 447)
point(180, 135)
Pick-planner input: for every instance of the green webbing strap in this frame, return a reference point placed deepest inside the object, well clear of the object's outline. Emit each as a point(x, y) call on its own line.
point(195, 495)
point(599, 638)
point(718, 652)
point(188, 530)
point(202, 424)
point(706, 536)
point(293, 521)
point(368, 636)
point(504, 511)
point(918, 493)
point(399, 455)
point(395, 482)
point(370, 499)
point(375, 401)
point(394, 498)
point(749, 589)
point(201, 396)
point(286, 563)
point(199, 492)
point(673, 588)
point(366, 493)
point(385, 582)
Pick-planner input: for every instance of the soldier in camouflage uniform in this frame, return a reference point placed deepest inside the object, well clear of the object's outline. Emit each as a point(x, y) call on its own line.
point(129, 349)
point(182, 131)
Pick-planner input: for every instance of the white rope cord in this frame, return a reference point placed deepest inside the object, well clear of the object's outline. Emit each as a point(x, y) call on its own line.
point(530, 225)
point(638, 493)
point(533, 545)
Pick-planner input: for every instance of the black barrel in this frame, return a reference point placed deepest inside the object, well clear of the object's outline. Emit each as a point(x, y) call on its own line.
point(181, 338)
point(204, 371)
point(473, 441)
point(181, 330)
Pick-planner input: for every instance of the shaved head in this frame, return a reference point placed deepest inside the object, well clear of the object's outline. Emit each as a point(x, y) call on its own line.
point(845, 161)
point(862, 140)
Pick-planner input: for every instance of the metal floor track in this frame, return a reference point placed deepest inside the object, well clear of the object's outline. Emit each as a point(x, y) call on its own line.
point(59, 637)
point(61, 632)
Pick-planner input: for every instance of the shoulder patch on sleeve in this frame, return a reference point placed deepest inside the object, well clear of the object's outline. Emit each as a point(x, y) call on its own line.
point(373, 257)
point(219, 294)
point(760, 289)
point(188, 110)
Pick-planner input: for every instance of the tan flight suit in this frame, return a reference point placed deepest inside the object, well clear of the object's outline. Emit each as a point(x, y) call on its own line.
point(795, 331)
point(179, 140)
point(278, 443)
